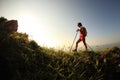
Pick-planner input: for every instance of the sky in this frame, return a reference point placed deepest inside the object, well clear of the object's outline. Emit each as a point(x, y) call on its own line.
point(53, 23)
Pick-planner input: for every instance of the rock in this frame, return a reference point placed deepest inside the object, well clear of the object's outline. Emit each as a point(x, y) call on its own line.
point(11, 26)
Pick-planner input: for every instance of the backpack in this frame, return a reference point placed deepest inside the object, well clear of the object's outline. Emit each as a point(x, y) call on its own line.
point(84, 31)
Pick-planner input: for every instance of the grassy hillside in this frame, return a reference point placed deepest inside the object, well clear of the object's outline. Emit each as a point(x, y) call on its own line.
point(24, 59)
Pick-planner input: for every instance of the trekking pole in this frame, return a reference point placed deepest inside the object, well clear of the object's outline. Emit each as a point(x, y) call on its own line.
point(89, 47)
point(73, 41)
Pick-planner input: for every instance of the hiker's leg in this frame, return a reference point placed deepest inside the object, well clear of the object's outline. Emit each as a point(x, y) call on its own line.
point(77, 43)
point(84, 41)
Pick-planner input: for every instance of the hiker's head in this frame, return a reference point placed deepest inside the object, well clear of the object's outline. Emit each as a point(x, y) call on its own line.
point(79, 24)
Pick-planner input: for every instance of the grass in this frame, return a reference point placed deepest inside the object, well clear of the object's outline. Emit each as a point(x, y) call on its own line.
point(24, 59)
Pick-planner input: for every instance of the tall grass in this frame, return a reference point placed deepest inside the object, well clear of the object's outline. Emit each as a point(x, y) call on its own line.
point(24, 59)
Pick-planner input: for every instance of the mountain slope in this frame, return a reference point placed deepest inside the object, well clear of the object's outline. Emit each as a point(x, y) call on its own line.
point(22, 59)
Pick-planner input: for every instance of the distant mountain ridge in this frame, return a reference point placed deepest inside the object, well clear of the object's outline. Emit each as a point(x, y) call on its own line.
point(111, 45)
point(103, 46)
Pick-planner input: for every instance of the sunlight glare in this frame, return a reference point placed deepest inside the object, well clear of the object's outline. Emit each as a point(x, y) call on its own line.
point(28, 24)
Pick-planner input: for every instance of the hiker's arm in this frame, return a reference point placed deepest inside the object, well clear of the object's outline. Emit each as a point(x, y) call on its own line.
point(77, 30)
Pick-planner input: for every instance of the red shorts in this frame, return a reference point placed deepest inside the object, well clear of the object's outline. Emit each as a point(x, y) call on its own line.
point(82, 38)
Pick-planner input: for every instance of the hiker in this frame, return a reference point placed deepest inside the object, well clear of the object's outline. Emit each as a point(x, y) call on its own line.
point(83, 34)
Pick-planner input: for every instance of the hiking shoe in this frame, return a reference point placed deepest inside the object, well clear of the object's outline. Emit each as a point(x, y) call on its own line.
point(75, 50)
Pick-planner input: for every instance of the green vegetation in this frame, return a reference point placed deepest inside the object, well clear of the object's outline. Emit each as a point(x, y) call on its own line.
point(24, 59)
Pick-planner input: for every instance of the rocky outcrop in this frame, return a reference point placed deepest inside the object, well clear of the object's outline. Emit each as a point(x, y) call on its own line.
point(9, 26)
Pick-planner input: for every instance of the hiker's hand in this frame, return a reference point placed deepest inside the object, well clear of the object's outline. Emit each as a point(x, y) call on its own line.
point(77, 30)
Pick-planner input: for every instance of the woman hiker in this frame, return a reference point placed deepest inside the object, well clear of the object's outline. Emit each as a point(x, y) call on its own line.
point(83, 33)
